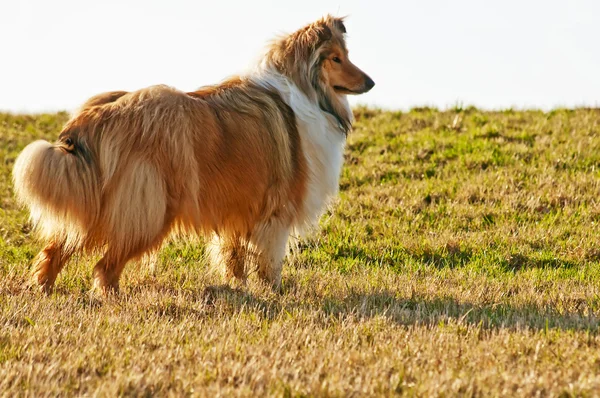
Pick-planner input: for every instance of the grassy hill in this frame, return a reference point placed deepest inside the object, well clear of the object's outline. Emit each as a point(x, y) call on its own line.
point(462, 258)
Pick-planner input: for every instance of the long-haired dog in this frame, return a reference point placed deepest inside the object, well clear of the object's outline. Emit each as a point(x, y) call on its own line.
point(244, 162)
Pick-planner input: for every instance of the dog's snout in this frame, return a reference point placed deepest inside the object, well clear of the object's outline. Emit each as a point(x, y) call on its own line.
point(369, 83)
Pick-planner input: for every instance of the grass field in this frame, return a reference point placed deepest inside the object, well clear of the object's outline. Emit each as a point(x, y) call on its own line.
point(462, 258)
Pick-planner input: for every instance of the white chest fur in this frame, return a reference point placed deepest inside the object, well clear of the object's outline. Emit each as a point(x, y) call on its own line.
point(322, 142)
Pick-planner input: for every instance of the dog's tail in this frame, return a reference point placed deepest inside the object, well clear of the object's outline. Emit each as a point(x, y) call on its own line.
point(59, 183)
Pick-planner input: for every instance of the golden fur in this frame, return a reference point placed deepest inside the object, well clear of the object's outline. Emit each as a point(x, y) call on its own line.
point(233, 161)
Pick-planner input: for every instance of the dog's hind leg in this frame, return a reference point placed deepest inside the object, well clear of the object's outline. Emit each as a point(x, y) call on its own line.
point(269, 241)
point(48, 263)
point(107, 273)
point(108, 270)
point(138, 217)
point(110, 267)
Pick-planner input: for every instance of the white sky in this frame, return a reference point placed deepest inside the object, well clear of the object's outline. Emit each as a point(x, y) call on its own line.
point(54, 54)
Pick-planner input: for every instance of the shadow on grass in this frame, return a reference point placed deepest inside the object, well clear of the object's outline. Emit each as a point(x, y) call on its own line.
point(447, 258)
point(223, 299)
point(456, 258)
point(432, 312)
point(517, 262)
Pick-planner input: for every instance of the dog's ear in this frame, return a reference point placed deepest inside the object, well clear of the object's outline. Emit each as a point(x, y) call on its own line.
point(315, 35)
point(339, 25)
point(324, 33)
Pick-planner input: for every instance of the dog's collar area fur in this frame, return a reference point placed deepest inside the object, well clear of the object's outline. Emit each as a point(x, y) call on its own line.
point(336, 123)
point(272, 79)
point(345, 131)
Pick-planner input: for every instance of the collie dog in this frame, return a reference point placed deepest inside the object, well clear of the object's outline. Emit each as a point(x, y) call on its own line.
point(245, 163)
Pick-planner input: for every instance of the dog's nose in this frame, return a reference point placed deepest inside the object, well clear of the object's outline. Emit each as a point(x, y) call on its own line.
point(369, 83)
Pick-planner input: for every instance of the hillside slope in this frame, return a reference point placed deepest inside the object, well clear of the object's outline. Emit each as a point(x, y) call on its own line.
point(462, 258)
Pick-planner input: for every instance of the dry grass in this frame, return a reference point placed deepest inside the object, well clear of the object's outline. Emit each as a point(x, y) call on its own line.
point(462, 259)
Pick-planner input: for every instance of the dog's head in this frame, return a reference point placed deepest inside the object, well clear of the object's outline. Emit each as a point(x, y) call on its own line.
point(316, 59)
point(337, 71)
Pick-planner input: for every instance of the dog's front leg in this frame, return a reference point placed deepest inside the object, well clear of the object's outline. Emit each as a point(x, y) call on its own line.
point(270, 243)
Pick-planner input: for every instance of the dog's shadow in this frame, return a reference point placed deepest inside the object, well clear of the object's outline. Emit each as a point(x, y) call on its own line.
point(364, 303)
point(384, 304)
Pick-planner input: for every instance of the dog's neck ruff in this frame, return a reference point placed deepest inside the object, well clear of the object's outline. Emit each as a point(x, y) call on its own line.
point(300, 103)
point(322, 140)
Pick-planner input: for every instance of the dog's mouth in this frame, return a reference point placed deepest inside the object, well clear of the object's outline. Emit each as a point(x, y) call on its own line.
point(344, 90)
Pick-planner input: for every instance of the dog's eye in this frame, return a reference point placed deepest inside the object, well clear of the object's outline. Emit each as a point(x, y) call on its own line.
point(70, 144)
point(337, 60)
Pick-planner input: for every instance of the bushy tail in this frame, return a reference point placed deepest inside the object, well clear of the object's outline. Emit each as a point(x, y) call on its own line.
point(61, 190)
